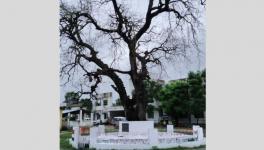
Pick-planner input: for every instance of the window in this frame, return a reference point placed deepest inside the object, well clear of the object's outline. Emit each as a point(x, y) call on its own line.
point(105, 102)
point(105, 94)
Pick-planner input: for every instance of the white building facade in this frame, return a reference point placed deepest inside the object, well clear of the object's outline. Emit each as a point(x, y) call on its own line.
point(104, 109)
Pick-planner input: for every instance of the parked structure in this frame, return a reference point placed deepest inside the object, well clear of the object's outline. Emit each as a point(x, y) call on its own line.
point(75, 115)
point(102, 111)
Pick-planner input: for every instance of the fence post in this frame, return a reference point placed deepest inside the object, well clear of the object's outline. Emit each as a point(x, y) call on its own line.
point(93, 136)
point(153, 137)
point(200, 134)
point(170, 129)
point(76, 134)
point(101, 129)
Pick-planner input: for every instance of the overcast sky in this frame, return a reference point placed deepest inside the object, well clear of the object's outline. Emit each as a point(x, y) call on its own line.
point(174, 70)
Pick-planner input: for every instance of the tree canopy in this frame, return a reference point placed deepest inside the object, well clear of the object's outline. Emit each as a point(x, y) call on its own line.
point(72, 97)
point(87, 103)
point(197, 92)
point(174, 98)
point(152, 89)
point(75, 98)
point(96, 35)
point(184, 97)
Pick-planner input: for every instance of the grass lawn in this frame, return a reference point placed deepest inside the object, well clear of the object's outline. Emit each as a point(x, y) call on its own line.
point(110, 128)
point(64, 140)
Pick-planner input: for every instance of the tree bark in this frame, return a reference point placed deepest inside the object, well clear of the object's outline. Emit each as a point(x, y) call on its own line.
point(140, 101)
point(177, 122)
point(190, 120)
point(131, 114)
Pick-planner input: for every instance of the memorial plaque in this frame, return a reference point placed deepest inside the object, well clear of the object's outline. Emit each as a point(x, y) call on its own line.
point(125, 127)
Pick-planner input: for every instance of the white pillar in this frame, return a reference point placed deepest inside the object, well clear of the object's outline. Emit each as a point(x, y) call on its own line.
point(170, 129)
point(101, 129)
point(92, 118)
point(102, 116)
point(93, 136)
point(120, 128)
point(81, 117)
point(200, 134)
point(68, 119)
point(195, 129)
point(76, 137)
point(108, 114)
point(153, 137)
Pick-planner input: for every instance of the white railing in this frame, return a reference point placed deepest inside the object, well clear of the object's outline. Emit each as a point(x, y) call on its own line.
point(124, 138)
point(139, 139)
point(123, 141)
point(181, 139)
point(84, 140)
point(133, 140)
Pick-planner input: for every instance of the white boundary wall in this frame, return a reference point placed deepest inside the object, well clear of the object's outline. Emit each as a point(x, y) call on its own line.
point(153, 139)
point(141, 135)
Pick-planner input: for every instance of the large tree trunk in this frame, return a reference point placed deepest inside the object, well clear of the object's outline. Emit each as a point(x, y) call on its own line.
point(137, 77)
point(141, 111)
point(140, 98)
point(131, 114)
point(136, 110)
point(130, 111)
point(127, 103)
point(190, 120)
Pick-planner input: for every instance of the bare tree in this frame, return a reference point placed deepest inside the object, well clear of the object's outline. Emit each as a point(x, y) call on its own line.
point(89, 24)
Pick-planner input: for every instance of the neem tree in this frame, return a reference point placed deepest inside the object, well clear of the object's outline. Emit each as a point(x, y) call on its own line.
point(182, 98)
point(90, 30)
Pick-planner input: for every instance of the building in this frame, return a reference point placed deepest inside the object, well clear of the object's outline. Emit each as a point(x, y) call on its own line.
point(61, 115)
point(74, 115)
point(104, 109)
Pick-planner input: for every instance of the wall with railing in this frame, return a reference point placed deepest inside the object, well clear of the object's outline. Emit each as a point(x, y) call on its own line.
point(139, 137)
